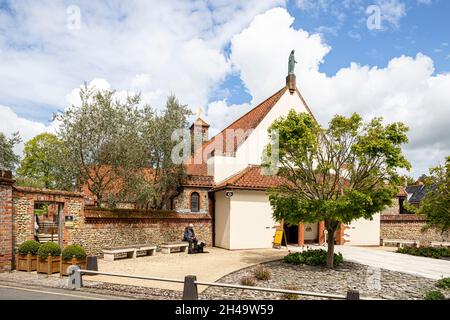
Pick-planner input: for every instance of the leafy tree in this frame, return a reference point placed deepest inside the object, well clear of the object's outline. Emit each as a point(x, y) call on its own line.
point(121, 150)
point(436, 203)
point(152, 155)
point(39, 166)
point(94, 136)
point(8, 159)
point(336, 174)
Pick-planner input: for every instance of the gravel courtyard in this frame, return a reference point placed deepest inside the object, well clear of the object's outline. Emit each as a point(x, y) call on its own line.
point(392, 285)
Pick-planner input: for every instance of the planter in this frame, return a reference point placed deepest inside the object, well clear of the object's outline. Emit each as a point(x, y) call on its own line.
point(67, 263)
point(49, 266)
point(26, 262)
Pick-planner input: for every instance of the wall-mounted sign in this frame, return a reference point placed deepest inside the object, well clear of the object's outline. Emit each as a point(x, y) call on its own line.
point(68, 221)
point(229, 194)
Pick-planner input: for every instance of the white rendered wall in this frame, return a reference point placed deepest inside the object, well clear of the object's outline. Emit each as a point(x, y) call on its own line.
point(252, 225)
point(364, 232)
point(222, 220)
point(250, 152)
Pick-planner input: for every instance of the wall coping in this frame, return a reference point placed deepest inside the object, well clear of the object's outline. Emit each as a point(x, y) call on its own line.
point(49, 192)
point(92, 212)
point(402, 217)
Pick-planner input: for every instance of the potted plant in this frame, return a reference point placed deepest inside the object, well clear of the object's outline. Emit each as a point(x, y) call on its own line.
point(72, 255)
point(26, 257)
point(49, 258)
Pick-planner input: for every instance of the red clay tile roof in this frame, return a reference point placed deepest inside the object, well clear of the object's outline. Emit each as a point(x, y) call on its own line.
point(402, 192)
point(218, 144)
point(198, 181)
point(251, 178)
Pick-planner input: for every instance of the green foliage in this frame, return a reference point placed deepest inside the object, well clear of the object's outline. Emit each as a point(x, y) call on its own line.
point(313, 258)
point(119, 150)
point(444, 283)
point(248, 281)
point(73, 250)
point(291, 296)
point(40, 166)
point(430, 252)
point(436, 203)
point(262, 273)
point(434, 295)
point(49, 248)
point(336, 174)
point(8, 159)
point(29, 246)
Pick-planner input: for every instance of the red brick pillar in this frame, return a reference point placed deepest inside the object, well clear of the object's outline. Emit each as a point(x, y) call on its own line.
point(301, 234)
point(321, 232)
point(6, 223)
point(340, 234)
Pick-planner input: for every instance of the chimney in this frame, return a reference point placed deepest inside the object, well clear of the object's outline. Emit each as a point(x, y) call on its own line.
point(199, 133)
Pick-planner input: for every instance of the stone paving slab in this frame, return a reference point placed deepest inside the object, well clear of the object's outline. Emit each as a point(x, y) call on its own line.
point(207, 267)
point(418, 266)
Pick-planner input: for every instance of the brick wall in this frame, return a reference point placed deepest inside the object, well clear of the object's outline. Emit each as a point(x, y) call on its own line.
point(109, 228)
point(6, 216)
point(408, 227)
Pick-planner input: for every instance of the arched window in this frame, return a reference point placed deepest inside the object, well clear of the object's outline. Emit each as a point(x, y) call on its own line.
point(195, 202)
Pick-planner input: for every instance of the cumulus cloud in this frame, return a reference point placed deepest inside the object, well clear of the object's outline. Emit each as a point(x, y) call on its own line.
point(405, 90)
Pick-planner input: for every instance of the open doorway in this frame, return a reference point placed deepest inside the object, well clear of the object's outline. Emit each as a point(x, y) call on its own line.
point(48, 221)
point(291, 233)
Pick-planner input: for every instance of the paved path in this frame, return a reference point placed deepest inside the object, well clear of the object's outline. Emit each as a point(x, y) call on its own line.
point(15, 292)
point(208, 267)
point(376, 257)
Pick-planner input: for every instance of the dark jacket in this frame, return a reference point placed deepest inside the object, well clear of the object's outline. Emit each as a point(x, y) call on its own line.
point(188, 234)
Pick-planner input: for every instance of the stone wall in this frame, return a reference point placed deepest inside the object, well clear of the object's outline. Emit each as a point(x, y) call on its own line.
point(121, 227)
point(409, 227)
point(182, 201)
point(6, 217)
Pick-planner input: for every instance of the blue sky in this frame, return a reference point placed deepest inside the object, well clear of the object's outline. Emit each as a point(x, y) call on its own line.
point(227, 56)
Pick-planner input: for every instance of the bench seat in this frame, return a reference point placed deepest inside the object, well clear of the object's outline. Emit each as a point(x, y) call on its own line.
point(168, 248)
point(401, 242)
point(110, 254)
point(440, 244)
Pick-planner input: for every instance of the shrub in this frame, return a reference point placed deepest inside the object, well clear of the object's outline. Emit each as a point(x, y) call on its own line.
point(262, 273)
point(291, 296)
point(429, 252)
point(73, 250)
point(443, 283)
point(49, 248)
point(29, 246)
point(313, 258)
point(248, 281)
point(434, 295)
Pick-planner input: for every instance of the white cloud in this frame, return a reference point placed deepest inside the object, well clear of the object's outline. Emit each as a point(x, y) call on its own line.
point(260, 52)
point(406, 90)
point(392, 10)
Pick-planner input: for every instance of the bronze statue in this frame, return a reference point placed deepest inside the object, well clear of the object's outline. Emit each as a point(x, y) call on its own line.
point(292, 62)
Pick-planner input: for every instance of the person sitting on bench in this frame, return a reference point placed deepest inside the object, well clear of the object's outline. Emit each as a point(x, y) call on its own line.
point(189, 236)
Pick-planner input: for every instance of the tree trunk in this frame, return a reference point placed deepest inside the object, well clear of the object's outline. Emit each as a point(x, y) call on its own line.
point(331, 227)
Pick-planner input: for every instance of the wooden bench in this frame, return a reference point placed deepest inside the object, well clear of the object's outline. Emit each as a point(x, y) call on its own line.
point(440, 244)
point(110, 254)
point(400, 242)
point(168, 248)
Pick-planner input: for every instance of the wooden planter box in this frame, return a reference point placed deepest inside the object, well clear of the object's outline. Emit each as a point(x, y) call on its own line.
point(67, 263)
point(49, 265)
point(26, 262)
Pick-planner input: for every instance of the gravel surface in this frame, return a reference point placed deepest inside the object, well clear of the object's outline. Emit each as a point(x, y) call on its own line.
point(374, 283)
point(391, 285)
